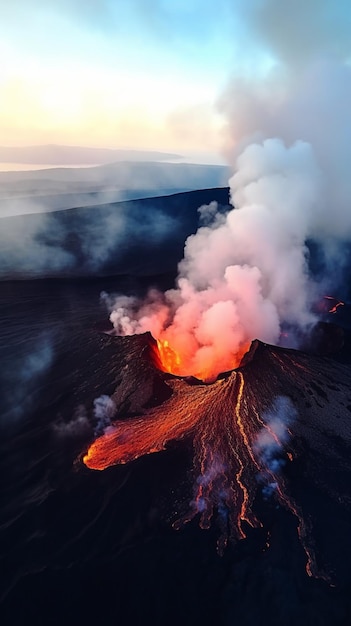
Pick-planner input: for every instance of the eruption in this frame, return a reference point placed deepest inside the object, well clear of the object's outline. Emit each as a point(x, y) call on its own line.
point(244, 273)
point(246, 428)
point(245, 276)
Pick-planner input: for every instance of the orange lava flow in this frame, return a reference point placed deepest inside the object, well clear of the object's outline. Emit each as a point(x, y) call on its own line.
point(224, 421)
point(224, 483)
point(129, 439)
point(336, 304)
point(135, 437)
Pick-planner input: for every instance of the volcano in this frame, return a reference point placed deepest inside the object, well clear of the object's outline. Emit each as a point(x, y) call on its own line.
point(250, 429)
point(216, 497)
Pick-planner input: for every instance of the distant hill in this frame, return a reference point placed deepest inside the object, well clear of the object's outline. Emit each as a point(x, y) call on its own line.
point(141, 237)
point(62, 188)
point(54, 154)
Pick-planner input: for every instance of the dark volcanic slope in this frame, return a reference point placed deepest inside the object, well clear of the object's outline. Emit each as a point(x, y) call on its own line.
point(265, 450)
point(135, 237)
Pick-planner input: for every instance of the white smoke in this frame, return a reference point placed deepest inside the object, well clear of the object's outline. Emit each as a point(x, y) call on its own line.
point(244, 275)
point(271, 441)
point(104, 412)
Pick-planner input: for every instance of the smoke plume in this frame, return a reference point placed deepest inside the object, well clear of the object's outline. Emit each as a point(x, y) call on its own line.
point(245, 275)
point(104, 411)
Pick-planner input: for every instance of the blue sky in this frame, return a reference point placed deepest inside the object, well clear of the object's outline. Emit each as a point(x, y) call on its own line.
point(145, 73)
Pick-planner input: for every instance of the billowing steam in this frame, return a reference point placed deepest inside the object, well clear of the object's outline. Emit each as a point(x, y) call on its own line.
point(245, 275)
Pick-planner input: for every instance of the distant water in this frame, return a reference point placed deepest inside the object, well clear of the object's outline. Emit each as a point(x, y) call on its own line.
point(29, 167)
point(192, 158)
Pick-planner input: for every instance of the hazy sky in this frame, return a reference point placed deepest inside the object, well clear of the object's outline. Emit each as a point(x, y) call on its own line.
point(145, 74)
point(120, 73)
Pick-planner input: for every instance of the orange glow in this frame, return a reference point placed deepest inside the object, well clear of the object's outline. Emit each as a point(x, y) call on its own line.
point(179, 364)
point(170, 360)
point(335, 305)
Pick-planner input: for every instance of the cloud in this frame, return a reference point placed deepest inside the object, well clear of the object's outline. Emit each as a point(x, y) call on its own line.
point(296, 31)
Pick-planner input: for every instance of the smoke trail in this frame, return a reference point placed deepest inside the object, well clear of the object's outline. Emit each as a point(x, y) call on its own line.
point(271, 439)
point(79, 426)
point(81, 241)
point(104, 411)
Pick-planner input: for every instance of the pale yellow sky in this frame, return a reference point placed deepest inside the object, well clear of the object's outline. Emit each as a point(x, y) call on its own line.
point(77, 103)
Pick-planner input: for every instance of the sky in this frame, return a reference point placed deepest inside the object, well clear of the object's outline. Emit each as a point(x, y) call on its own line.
point(142, 74)
point(149, 74)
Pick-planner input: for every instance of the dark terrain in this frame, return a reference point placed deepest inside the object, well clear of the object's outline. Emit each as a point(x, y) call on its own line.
point(137, 237)
point(80, 546)
point(85, 547)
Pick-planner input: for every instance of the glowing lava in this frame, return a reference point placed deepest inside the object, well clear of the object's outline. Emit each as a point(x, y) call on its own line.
point(169, 359)
point(182, 364)
point(335, 304)
point(239, 452)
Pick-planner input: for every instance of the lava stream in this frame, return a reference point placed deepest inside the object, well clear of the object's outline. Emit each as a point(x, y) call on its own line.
point(335, 303)
point(238, 452)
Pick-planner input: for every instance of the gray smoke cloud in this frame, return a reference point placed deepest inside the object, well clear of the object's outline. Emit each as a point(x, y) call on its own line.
point(32, 246)
point(295, 31)
point(304, 97)
point(38, 237)
point(22, 377)
point(79, 426)
point(81, 241)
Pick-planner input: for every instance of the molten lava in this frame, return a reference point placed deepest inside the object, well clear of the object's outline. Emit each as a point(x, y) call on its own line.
point(245, 427)
point(169, 360)
point(181, 364)
point(335, 304)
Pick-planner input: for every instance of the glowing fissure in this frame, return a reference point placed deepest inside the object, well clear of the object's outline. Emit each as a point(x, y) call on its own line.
point(335, 304)
point(238, 450)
